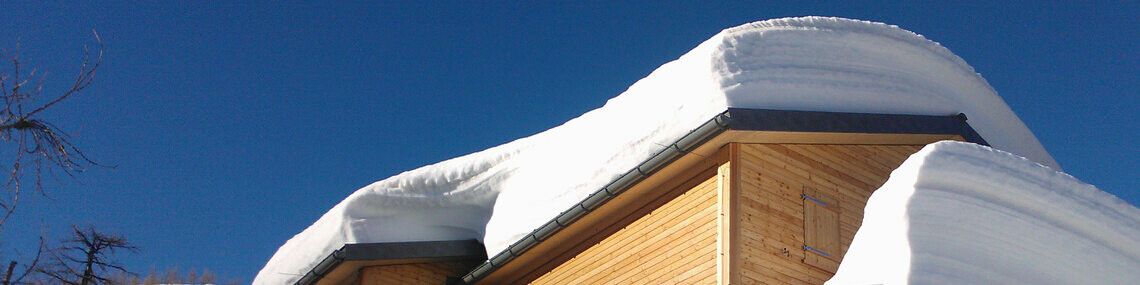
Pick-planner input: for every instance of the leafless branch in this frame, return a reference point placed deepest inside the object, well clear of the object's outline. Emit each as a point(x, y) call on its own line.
point(37, 144)
point(33, 266)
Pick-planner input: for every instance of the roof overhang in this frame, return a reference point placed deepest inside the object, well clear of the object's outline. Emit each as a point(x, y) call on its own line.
point(344, 264)
point(576, 227)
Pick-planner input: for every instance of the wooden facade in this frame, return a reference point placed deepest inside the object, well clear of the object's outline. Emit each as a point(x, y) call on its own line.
point(672, 242)
point(427, 273)
point(747, 219)
point(774, 180)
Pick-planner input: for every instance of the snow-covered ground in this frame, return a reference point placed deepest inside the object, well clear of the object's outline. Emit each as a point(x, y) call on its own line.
point(960, 213)
point(812, 63)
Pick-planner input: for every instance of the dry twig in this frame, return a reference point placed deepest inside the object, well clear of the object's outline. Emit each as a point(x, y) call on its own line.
point(38, 144)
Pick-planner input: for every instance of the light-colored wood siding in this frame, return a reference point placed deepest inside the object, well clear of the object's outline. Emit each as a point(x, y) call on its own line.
point(675, 243)
point(726, 214)
point(772, 178)
point(432, 273)
point(740, 223)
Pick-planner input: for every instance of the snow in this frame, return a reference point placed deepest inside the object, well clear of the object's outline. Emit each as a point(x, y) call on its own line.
point(811, 63)
point(959, 213)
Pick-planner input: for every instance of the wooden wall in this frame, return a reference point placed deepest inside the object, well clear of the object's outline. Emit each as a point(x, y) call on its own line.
point(433, 273)
point(675, 243)
point(742, 222)
point(772, 179)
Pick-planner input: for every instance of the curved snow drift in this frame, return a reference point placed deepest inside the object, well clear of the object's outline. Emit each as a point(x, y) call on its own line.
point(809, 64)
point(958, 213)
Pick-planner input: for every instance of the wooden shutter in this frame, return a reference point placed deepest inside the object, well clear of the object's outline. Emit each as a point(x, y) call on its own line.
point(821, 229)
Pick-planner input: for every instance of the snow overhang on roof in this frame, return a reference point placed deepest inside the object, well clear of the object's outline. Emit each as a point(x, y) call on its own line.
point(818, 64)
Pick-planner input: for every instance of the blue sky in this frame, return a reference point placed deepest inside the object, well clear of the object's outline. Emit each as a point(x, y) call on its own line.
point(236, 125)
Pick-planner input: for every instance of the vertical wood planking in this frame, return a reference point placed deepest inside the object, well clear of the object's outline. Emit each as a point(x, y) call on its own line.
point(728, 195)
point(724, 223)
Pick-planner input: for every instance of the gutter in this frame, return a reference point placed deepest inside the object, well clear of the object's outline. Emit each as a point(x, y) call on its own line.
point(327, 265)
point(687, 143)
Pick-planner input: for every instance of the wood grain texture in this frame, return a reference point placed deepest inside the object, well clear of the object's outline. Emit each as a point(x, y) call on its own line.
point(821, 228)
point(740, 223)
point(774, 178)
point(433, 273)
point(675, 243)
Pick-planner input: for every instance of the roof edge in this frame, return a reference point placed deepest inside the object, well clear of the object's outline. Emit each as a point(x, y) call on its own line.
point(838, 122)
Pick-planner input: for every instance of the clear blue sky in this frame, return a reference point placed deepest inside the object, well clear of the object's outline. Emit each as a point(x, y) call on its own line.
point(235, 126)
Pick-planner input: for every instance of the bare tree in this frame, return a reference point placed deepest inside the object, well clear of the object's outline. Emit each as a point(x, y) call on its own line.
point(37, 144)
point(85, 258)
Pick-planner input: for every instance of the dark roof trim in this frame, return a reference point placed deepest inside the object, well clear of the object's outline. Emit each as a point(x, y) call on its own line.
point(834, 122)
point(418, 250)
point(734, 119)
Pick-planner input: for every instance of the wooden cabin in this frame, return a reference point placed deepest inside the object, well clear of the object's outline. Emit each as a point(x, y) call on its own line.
point(750, 197)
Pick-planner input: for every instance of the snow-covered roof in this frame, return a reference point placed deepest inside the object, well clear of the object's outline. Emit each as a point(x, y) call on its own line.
point(958, 213)
point(812, 64)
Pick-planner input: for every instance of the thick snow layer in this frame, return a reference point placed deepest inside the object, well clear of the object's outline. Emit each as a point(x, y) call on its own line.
point(960, 213)
point(813, 63)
